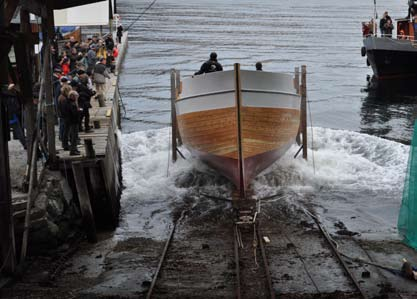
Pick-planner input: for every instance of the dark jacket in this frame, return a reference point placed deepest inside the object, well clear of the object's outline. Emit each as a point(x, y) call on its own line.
point(61, 105)
point(69, 112)
point(382, 23)
point(100, 73)
point(85, 95)
point(56, 87)
point(109, 44)
point(209, 66)
point(91, 58)
point(119, 30)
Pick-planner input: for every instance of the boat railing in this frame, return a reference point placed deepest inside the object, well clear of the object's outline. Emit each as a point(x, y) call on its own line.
point(396, 37)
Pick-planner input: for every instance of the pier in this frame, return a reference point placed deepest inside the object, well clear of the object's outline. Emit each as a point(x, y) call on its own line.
point(93, 178)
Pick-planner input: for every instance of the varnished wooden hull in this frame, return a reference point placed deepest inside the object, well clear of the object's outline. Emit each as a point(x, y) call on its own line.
point(239, 127)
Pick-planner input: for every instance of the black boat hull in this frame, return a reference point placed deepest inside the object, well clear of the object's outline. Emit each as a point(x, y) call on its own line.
point(392, 64)
point(391, 58)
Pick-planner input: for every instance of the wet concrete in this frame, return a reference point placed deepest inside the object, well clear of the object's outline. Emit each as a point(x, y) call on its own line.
point(200, 262)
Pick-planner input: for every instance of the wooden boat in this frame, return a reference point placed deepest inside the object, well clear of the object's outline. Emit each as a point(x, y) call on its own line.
point(72, 31)
point(238, 122)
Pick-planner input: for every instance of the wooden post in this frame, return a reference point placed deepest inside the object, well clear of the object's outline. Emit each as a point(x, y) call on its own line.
point(297, 89)
point(84, 199)
point(304, 108)
point(25, 69)
point(173, 116)
point(7, 242)
point(238, 99)
point(48, 30)
point(89, 148)
point(178, 91)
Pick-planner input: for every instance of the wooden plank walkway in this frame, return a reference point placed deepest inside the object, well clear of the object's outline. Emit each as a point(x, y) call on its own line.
point(99, 136)
point(103, 115)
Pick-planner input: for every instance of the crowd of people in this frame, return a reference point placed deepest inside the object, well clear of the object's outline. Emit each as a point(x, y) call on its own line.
point(385, 26)
point(80, 70)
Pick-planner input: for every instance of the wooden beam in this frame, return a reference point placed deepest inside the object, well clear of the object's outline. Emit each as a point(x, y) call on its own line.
point(173, 116)
point(61, 4)
point(238, 99)
point(35, 7)
point(48, 33)
point(304, 108)
point(84, 199)
point(7, 242)
point(9, 11)
point(25, 61)
point(178, 91)
point(297, 88)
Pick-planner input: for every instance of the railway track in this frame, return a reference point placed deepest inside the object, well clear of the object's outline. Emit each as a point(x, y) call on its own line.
point(253, 278)
point(249, 265)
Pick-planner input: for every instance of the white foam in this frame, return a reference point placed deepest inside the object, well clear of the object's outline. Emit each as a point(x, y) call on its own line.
point(345, 162)
point(149, 190)
point(351, 160)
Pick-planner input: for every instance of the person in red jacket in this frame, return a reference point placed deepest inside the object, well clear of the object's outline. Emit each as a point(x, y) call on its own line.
point(65, 65)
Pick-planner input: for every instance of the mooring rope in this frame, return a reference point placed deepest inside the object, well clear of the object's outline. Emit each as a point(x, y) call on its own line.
point(140, 15)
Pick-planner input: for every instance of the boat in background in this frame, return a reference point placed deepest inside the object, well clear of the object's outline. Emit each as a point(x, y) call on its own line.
point(239, 122)
point(393, 57)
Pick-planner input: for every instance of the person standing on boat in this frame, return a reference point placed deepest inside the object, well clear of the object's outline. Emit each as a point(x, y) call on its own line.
point(383, 21)
point(258, 66)
point(388, 28)
point(210, 66)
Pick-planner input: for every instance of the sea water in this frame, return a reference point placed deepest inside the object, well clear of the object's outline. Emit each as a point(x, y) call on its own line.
point(357, 136)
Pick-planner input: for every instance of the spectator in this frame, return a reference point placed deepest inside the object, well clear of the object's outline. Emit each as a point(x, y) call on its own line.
point(101, 50)
point(119, 33)
point(100, 75)
point(54, 56)
point(67, 47)
point(84, 104)
point(109, 43)
point(73, 42)
point(14, 109)
point(70, 114)
point(62, 98)
point(94, 40)
point(91, 58)
point(115, 52)
point(82, 62)
point(73, 58)
point(56, 83)
point(65, 65)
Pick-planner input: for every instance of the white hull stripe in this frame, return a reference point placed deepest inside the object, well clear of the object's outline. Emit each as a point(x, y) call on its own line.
point(271, 100)
point(265, 99)
point(208, 102)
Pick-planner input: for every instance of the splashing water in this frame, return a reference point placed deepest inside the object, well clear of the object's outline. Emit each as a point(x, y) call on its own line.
point(360, 168)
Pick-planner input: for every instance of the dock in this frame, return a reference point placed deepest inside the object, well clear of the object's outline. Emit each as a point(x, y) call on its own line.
point(94, 177)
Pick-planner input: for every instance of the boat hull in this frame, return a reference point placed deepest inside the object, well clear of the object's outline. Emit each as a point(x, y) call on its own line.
point(255, 128)
point(391, 58)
